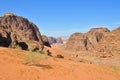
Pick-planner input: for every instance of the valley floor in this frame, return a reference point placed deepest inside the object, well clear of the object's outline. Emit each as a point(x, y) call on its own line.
point(12, 67)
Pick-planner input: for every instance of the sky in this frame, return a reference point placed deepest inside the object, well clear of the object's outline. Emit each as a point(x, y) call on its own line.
point(65, 17)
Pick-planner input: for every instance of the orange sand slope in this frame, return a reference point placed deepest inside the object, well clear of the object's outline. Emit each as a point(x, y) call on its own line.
point(12, 68)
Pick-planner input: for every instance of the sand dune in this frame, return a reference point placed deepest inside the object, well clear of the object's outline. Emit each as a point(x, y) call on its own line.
point(12, 68)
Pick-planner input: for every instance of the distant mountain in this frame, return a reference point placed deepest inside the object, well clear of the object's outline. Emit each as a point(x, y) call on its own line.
point(64, 39)
point(18, 30)
point(85, 41)
point(52, 40)
point(59, 40)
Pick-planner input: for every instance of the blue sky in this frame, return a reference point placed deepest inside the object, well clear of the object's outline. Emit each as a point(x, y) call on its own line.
point(64, 17)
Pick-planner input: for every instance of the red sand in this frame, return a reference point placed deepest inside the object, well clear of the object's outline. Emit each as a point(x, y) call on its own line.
point(12, 68)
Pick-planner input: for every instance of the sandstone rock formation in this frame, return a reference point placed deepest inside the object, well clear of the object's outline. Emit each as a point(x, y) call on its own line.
point(96, 34)
point(45, 41)
point(16, 28)
point(110, 44)
point(85, 41)
point(77, 42)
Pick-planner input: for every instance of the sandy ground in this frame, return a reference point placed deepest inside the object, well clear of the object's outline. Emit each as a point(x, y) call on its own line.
point(12, 68)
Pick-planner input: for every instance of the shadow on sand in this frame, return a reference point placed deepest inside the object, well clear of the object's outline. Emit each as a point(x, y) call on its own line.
point(42, 66)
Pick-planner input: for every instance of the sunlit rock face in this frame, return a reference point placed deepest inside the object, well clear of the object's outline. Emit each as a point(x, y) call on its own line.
point(85, 41)
point(16, 28)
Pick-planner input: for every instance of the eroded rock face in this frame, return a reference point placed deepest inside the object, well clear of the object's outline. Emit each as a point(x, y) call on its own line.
point(45, 41)
point(85, 41)
point(110, 44)
point(77, 42)
point(96, 34)
point(16, 28)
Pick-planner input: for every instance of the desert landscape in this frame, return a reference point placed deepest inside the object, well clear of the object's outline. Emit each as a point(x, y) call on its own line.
point(25, 54)
point(59, 40)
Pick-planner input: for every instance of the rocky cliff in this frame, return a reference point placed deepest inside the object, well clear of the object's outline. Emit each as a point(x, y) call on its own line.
point(110, 44)
point(45, 41)
point(85, 41)
point(15, 28)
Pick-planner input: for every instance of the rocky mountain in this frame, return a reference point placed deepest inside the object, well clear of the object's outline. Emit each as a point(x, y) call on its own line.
point(59, 40)
point(53, 40)
point(20, 30)
point(96, 34)
point(110, 44)
point(85, 41)
point(64, 39)
point(78, 41)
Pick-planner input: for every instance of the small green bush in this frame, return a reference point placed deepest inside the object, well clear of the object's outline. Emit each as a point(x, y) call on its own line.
point(32, 58)
point(115, 67)
point(14, 45)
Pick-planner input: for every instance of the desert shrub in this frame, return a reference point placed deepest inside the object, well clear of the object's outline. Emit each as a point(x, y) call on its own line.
point(100, 62)
point(115, 67)
point(33, 47)
point(32, 58)
point(15, 45)
point(19, 45)
point(85, 61)
point(46, 51)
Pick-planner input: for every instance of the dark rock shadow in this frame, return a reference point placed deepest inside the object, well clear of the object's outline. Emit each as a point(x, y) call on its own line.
point(47, 44)
point(5, 42)
point(23, 45)
point(42, 66)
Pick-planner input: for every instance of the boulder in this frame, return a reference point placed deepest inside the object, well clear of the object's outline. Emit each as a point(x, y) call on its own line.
point(45, 41)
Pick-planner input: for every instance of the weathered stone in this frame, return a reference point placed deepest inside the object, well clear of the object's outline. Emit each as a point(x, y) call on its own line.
point(45, 41)
point(110, 44)
point(16, 28)
point(85, 41)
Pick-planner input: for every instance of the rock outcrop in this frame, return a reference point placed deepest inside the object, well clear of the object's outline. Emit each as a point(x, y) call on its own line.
point(85, 41)
point(96, 34)
point(45, 41)
point(77, 42)
point(16, 28)
point(109, 45)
